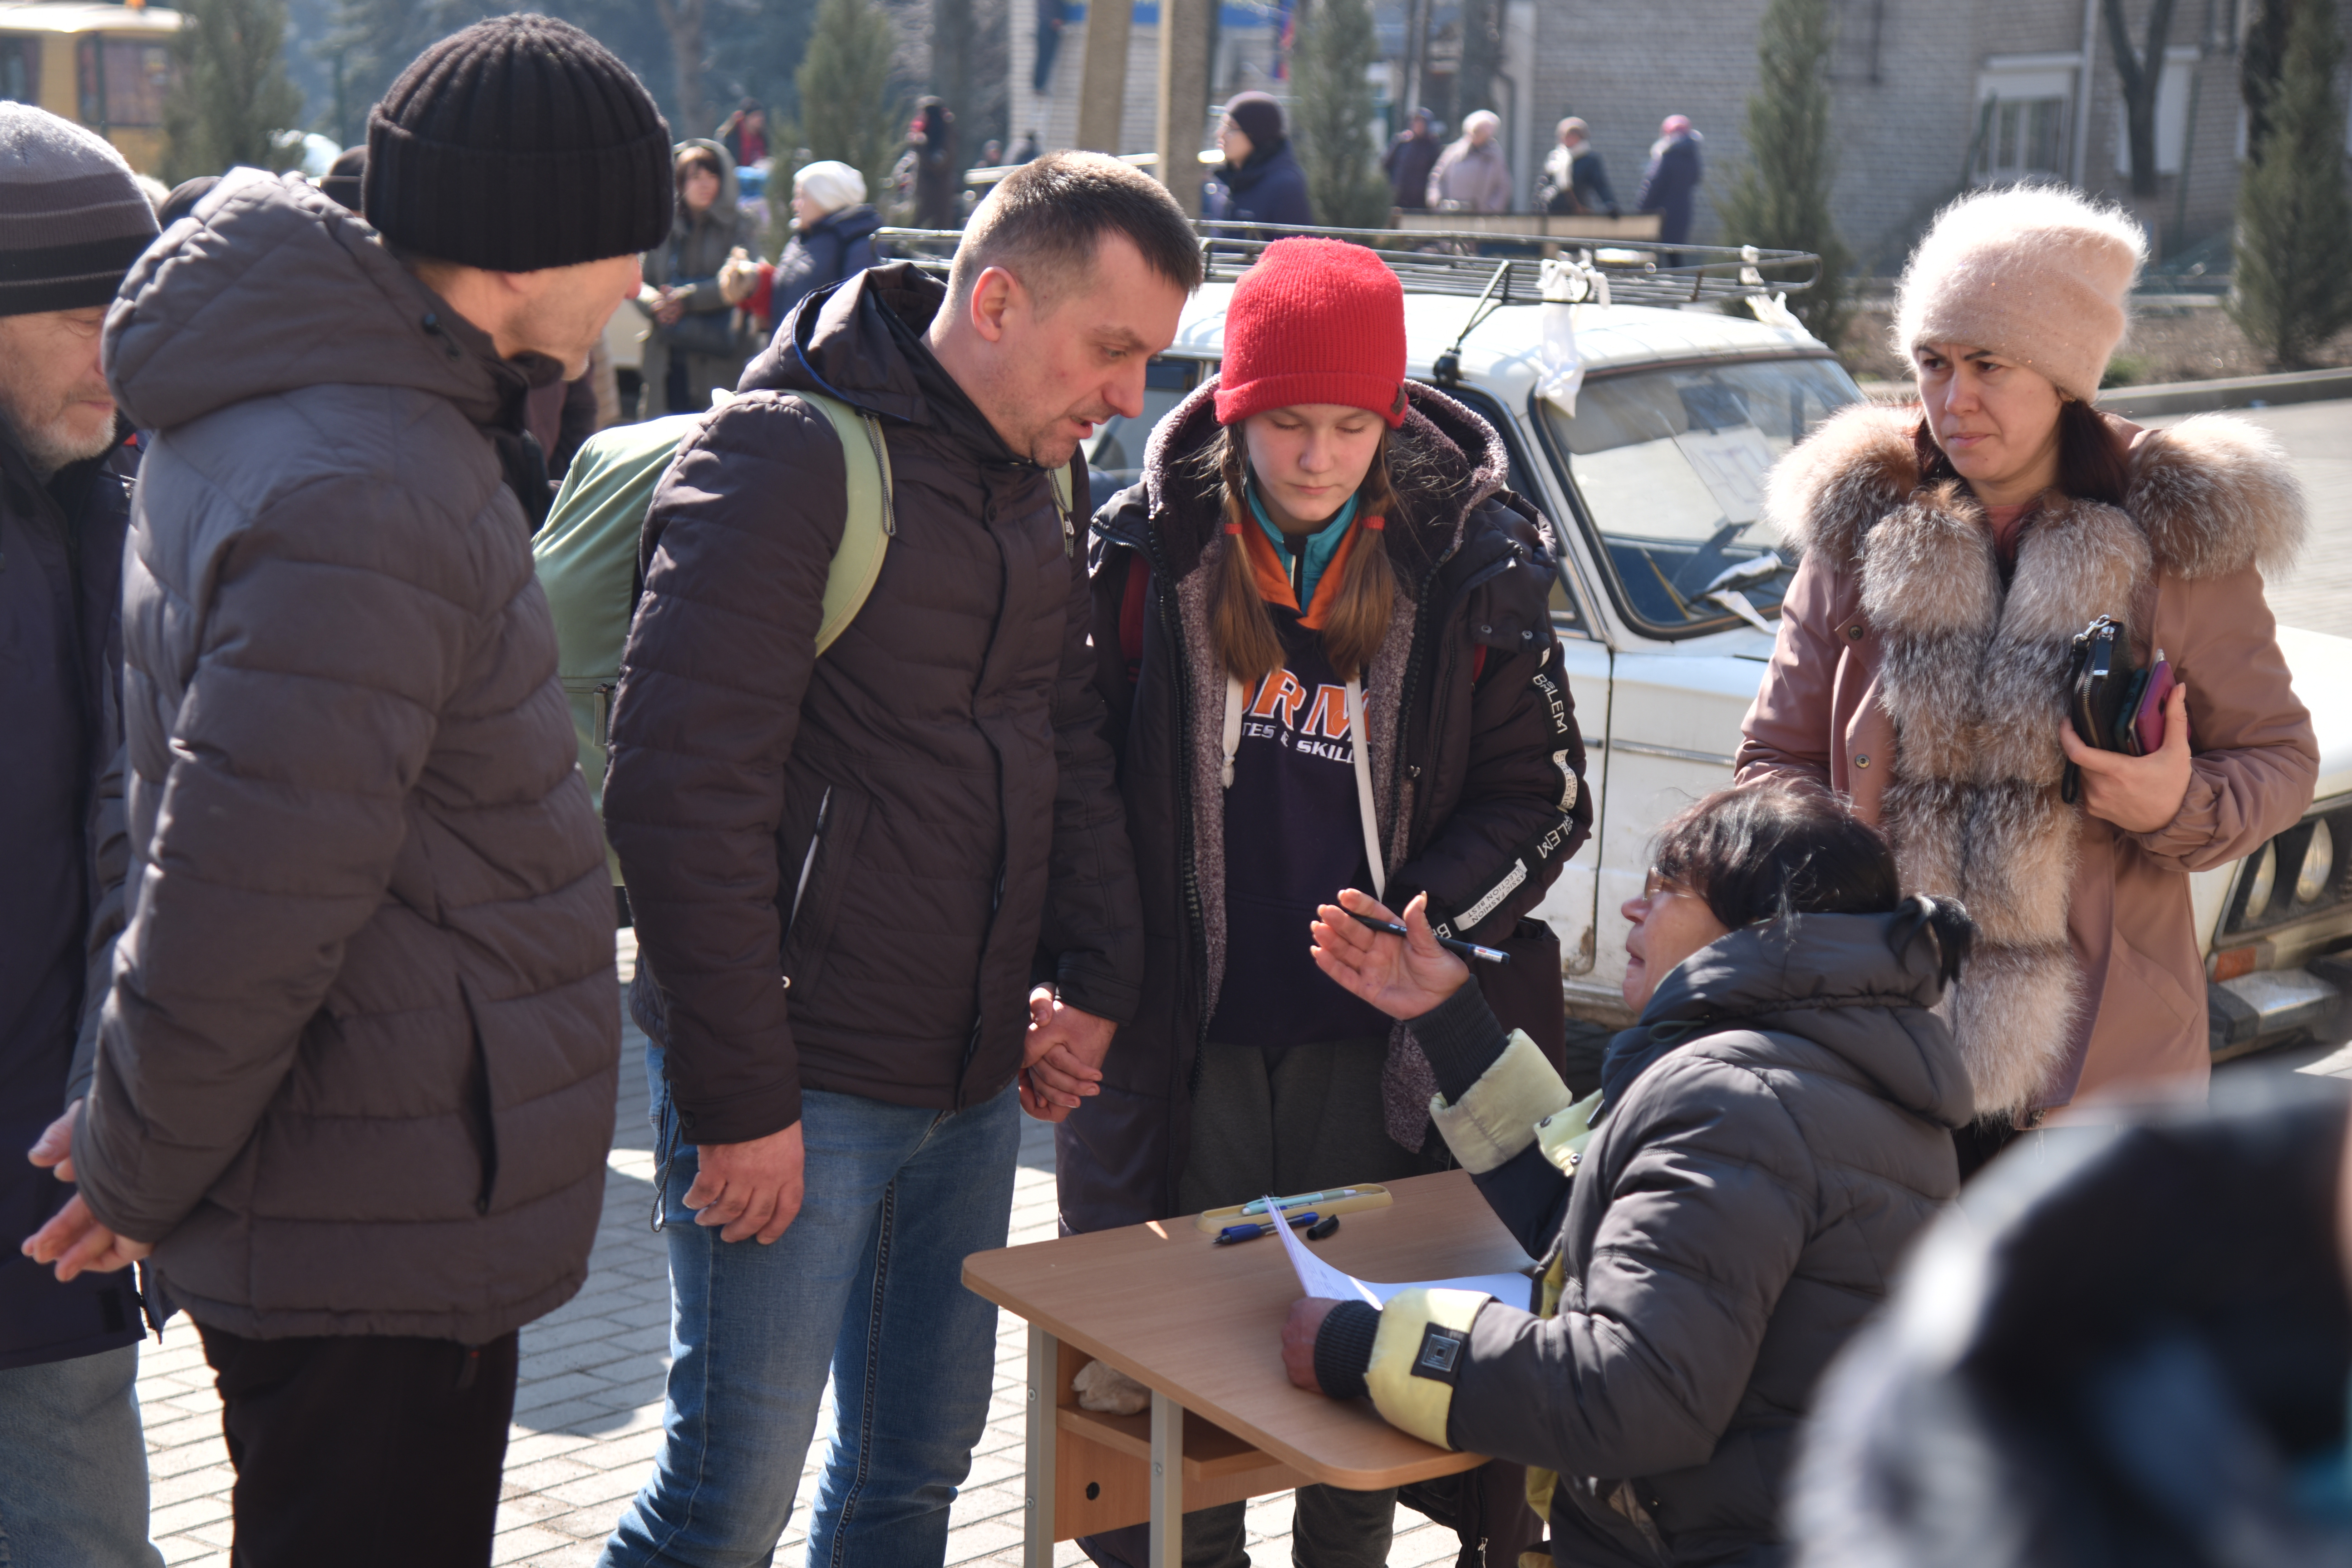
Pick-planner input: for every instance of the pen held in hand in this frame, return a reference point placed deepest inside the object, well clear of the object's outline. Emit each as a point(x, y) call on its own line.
point(1463, 949)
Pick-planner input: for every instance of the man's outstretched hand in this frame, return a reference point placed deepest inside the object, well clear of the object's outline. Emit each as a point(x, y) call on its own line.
point(75, 1239)
point(1061, 1063)
point(751, 1189)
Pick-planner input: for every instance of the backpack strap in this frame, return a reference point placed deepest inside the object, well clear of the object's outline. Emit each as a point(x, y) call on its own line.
point(872, 520)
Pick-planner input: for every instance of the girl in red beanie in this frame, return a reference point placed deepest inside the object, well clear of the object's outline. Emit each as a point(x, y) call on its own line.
point(1322, 631)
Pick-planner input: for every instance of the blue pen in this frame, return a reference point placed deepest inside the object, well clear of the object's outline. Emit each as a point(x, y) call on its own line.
point(1264, 1228)
point(1257, 1205)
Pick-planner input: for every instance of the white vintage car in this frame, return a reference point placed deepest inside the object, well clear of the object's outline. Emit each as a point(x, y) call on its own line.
point(1668, 589)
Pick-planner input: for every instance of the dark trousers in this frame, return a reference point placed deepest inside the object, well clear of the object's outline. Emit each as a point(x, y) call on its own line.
point(362, 1450)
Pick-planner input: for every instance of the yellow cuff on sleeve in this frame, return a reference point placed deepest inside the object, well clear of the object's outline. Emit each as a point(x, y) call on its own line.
point(1425, 1337)
point(1497, 1116)
point(1563, 1134)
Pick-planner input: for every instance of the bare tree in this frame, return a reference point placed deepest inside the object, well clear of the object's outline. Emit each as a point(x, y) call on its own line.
point(1482, 54)
point(2141, 74)
point(682, 20)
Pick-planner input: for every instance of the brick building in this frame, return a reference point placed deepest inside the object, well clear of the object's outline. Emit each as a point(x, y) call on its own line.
point(1929, 97)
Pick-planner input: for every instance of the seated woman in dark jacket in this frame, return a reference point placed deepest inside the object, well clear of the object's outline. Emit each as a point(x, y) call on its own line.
point(1765, 1141)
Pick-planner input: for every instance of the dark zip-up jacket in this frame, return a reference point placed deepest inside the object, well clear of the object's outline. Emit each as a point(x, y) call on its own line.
point(917, 821)
point(355, 1072)
point(60, 657)
point(1477, 761)
point(1771, 1135)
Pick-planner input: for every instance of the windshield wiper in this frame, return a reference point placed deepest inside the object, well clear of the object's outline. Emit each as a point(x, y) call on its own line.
point(1724, 587)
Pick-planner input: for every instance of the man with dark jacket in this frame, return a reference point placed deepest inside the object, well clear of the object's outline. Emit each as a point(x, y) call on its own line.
point(847, 871)
point(355, 1076)
point(1260, 180)
point(1573, 180)
point(73, 1466)
point(1410, 158)
point(1670, 183)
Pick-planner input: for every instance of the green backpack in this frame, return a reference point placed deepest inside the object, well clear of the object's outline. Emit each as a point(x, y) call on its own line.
point(587, 556)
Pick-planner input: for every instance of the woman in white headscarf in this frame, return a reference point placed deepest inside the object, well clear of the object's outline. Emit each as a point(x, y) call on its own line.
point(833, 238)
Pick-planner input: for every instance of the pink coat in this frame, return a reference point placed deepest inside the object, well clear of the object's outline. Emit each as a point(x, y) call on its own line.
point(1910, 679)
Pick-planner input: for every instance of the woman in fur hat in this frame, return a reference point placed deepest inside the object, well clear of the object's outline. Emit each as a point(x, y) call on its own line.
point(1952, 551)
point(1323, 637)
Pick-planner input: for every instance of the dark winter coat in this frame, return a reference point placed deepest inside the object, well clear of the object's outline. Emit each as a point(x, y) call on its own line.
point(698, 245)
point(1269, 188)
point(939, 779)
point(1669, 184)
point(356, 1072)
point(834, 247)
point(1477, 761)
point(1774, 1130)
point(1407, 163)
point(2131, 1351)
point(60, 660)
point(1574, 182)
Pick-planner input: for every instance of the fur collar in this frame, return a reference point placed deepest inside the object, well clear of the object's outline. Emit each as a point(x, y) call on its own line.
point(2213, 494)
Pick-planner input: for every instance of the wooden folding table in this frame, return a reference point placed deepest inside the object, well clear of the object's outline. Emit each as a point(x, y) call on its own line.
point(1201, 1326)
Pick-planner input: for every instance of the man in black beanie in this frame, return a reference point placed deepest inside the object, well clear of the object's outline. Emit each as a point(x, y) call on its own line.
point(354, 1076)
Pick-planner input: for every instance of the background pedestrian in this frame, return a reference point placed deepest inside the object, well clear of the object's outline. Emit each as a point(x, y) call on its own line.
point(695, 346)
point(939, 172)
point(1471, 175)
point(73, 1463)
point(1573, 180)
point(1260, 180)
point(1409, 157)
point(833, 238)
point(1671, 180)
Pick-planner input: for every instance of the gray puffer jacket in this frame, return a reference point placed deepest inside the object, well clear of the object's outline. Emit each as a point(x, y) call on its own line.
point(356, 1073)
point(1771, 1134)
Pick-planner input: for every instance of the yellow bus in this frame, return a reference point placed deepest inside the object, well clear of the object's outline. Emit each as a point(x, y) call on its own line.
point(105, 65)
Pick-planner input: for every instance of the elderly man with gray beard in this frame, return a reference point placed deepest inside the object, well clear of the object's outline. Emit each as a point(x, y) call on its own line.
point(73, 1466)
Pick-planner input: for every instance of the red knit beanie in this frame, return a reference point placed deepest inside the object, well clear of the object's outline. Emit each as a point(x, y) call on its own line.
point(1315, 320)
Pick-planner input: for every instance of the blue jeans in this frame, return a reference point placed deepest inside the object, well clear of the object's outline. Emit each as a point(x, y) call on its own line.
point(867, 1282)
point(73, 1465)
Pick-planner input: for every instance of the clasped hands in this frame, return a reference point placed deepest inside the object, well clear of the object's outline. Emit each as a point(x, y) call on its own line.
point(75, 1239)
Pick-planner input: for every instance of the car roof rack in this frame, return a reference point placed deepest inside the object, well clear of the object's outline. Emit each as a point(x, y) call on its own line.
point(1496, 268)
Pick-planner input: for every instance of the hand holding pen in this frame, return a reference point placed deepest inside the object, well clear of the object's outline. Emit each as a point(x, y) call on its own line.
point(1402, 978)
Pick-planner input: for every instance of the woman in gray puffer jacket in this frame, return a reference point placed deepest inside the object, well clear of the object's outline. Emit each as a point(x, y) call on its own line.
point(1765, 1143)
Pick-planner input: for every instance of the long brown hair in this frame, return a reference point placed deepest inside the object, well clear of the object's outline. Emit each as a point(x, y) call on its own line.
point(2094, 464)
point(1367, 592)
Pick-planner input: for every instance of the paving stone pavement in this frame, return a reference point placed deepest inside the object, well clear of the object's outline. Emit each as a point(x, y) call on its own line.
point(588, 1407)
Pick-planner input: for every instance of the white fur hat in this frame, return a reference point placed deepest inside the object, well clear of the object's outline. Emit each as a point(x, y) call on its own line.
point(2037, 274)
point(829, 186)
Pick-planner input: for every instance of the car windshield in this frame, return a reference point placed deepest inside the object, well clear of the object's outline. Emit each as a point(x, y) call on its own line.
point(1115, 458)
point(1671, 465)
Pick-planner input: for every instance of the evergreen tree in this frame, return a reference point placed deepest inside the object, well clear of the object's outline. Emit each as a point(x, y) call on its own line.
point(229, 95)
point(1332, 114)
point(2294, 215)
point(848, 110)
point(1779, 198)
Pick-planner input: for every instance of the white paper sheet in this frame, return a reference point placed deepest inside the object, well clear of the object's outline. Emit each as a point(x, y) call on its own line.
point(1316, 1278)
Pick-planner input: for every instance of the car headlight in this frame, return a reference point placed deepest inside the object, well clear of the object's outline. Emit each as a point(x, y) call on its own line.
point(2318, 865)
point(2260, 881)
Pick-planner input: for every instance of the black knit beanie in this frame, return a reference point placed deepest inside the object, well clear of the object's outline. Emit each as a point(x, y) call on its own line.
point(72, 216)
point(1259, 115)
point(517, 145)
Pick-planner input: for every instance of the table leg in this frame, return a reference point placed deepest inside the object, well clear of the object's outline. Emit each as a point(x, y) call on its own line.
point(1045, 1395)
point(1167, 1482)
